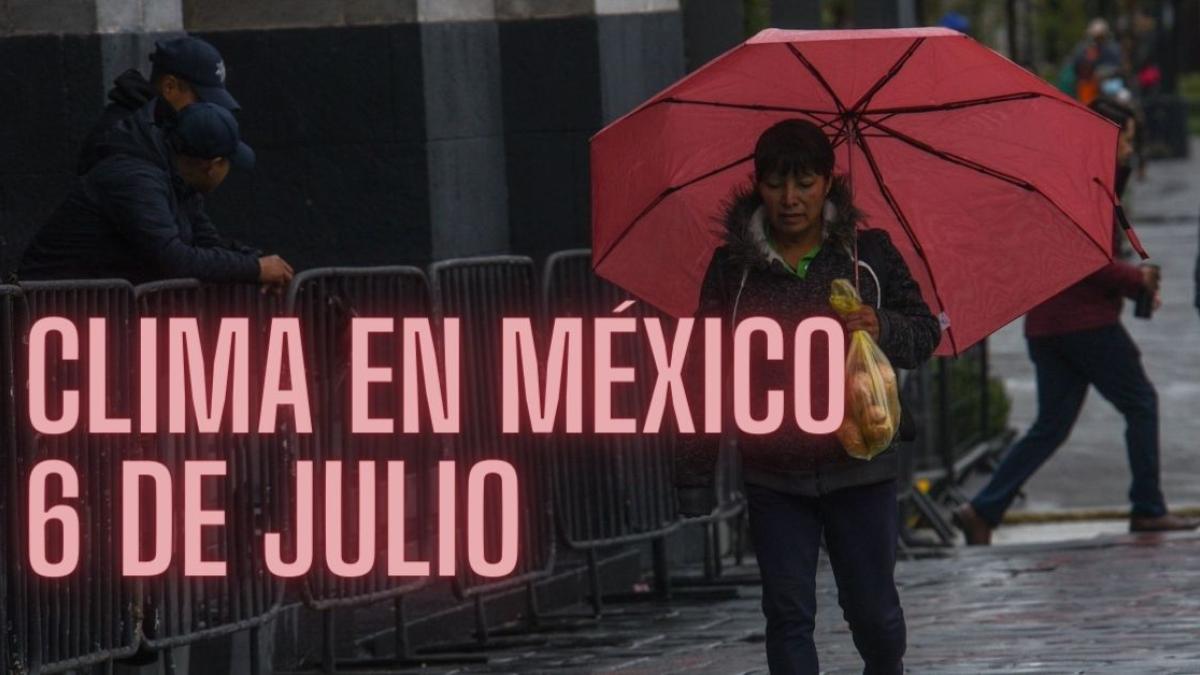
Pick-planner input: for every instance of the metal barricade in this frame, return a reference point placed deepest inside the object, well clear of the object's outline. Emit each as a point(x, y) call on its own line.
point(481, 291)
point(610, 488)
point(11, 603)
point(326, 300)
point(917, 503)
point(179, 609)
point(91, 615)
point(954, 409)
point(954, 417)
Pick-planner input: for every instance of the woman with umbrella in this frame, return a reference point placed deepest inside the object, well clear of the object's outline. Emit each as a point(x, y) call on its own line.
point(994, 189)
point(787, 237)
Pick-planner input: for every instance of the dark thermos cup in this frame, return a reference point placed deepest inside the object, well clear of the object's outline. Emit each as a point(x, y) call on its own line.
point(1145, 299)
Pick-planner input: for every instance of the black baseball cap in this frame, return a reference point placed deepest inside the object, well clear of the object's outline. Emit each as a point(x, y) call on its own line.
point(197, 62)
point(207, 131)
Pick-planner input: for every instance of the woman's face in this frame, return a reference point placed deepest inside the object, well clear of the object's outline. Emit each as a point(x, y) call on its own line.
point(793, 204)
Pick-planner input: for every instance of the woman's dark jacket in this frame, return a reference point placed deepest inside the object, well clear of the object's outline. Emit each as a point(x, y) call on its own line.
point(746, 272)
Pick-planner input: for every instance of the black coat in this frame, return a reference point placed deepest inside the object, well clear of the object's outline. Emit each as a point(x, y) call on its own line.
point(132, 217)
point(130, 92)
point(743, 273)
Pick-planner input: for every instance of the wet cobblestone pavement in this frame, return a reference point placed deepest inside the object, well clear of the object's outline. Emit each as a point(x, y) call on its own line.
point(1115, 604)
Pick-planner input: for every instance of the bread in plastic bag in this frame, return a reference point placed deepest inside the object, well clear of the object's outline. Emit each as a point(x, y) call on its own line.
point(872, 392)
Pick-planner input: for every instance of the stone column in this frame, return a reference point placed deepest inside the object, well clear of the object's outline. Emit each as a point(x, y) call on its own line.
point(569, 68)
point(378, 125)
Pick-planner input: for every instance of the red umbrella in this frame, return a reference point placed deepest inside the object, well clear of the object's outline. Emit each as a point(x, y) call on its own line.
point(995, 187)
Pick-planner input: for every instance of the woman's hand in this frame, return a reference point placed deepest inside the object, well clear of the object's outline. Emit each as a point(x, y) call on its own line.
point(864, 319)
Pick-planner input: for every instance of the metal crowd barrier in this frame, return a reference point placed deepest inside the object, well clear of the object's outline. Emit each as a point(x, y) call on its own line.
point(481, 291)
point(610, 488)
point(181, 610)
point(591, 491)
point(952, 411)
point(11, 603)
point(92, 615)
point(325, 300)
point(951, 404)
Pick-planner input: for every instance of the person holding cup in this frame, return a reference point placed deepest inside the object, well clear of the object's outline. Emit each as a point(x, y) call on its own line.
point(1076, 341)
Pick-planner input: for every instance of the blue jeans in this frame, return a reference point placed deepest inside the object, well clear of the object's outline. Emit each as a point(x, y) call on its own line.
point(860, 527)
point(1066, 365)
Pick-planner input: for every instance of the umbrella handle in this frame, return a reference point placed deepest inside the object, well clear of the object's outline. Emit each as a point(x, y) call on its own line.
point(1123, 220)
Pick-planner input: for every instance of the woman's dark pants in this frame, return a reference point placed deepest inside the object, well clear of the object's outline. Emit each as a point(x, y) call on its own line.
point(1066, 365)
point(860, 527)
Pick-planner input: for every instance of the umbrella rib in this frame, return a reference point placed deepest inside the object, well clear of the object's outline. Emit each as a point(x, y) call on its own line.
point(986, 170)
point(949, 156)
point(887, 77)
point(658, 200)
point(956, 105)
point(747, 106)
point(820, 79)
point(903, 220)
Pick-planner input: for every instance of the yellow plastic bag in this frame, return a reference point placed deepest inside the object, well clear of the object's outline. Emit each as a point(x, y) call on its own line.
point(872, 395)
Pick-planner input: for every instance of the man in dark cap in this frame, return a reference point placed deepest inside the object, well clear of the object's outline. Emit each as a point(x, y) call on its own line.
point(183, 71)
point(133, 215)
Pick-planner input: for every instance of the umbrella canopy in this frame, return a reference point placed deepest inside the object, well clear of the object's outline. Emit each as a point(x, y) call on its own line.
point(995, 187)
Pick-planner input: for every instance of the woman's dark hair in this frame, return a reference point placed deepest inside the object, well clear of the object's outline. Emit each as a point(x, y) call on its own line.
point(793, 147)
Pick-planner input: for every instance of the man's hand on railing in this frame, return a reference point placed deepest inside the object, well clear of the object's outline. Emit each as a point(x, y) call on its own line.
point(274, 273)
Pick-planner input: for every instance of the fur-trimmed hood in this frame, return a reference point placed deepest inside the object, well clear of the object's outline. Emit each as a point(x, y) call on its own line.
point(743, 279)
point(745, 237)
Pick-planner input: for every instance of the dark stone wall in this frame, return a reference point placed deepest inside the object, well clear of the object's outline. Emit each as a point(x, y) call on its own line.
point(337, 119)
point(564, 79)
point(797, 13)
point(551, 83)
point(640, 55)
point(712, 27)
point(388, 144)
point(51, 87)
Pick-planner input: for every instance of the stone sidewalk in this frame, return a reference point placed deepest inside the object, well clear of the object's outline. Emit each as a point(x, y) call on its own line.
point(1112, 604)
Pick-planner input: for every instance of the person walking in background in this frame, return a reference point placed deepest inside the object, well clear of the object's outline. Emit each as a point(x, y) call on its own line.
point(1097, 57)
point(1076, 340)
point(788, 236)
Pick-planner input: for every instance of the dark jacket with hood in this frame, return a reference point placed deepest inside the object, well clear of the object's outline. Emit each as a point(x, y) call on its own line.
point(747, 274)
point(130, 91)
point(132, 217)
